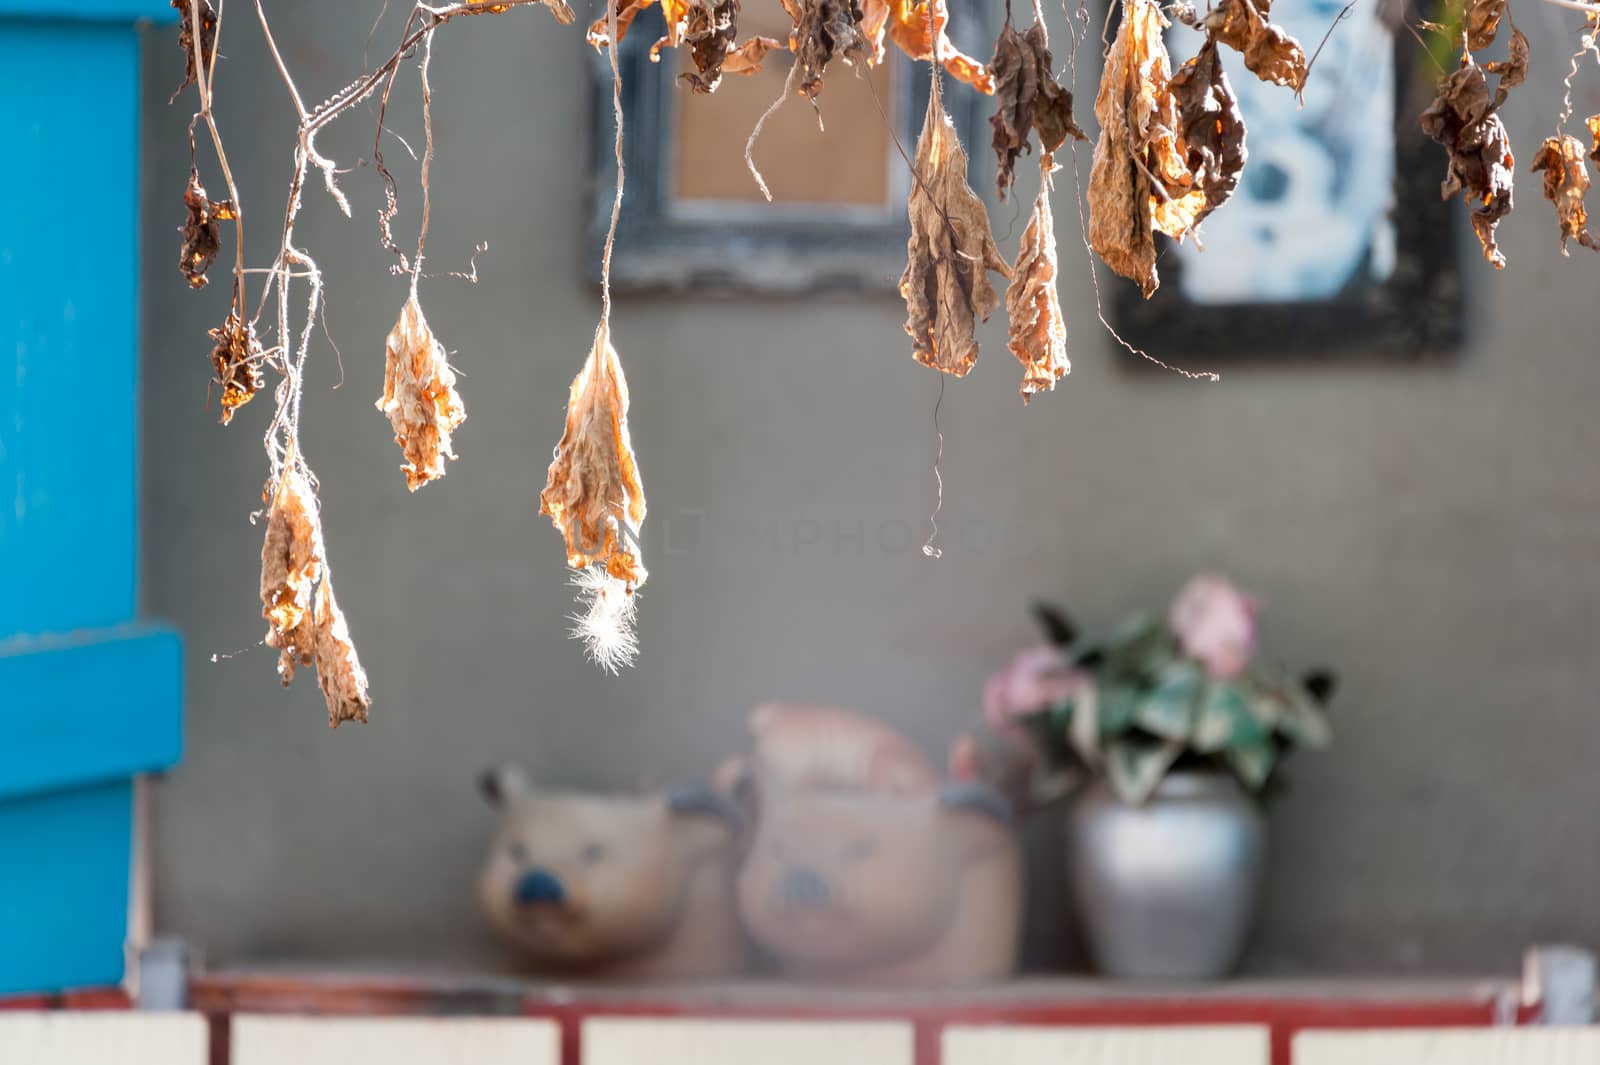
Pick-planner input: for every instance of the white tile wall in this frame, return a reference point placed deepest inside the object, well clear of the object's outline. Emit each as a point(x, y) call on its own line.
point(1445, 1046)
point(112, 1037)
point(279, 1040)
point(1199, 1045)
point(637, 1041)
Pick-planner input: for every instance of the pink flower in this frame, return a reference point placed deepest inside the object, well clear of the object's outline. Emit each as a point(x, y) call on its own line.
point(1037, 679)
point(1216, 623)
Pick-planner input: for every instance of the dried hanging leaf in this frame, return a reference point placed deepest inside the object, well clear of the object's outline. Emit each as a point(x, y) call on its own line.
point(1462, 118)
point(1566, 179)
point(236, 358)
point(339, 673)
point(709, 31)
point(291, 564)
point(1513, 70)
point(202, 236)
point(946, 283)
point(822, 30)
point(1269, 53)
point(1038, 330)
point(1482, 19)
point(1593, 122)
point(419, 396)
point(208, 38)
point(562, 12)
point(1140, 181)
point(1027, 97)
point(913, 29)
point(1210, 127)
point(593, 493)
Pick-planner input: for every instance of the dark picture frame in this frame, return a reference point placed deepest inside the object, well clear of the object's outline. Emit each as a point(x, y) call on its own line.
point(759, 246)
point(1417, 311)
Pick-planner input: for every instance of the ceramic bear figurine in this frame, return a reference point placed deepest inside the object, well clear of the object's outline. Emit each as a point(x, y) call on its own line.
point(638, 888)
point(863, 868)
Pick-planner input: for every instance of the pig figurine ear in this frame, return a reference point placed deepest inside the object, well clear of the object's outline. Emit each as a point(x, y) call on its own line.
point(700, 802)
point(502, 784)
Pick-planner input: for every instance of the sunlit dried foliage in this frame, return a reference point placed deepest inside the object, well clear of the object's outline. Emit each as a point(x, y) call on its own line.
point(236, 358)
point(1269, 53)
point(593, 493)
point(708, 27)
point(1482, 20)
point(1593, 122)
point(1462, 118)
point(1027, 97)
point(202, 236)
point(946, 282)
point(1566, 180)
point(823, 30)
point(1038, 329)
point(914, 28)
point(1513, 70)
point(1140, 182)
point(1210, 127)
point(186, 37)
point(419, 396)
point(291, 565)
point(339, 673)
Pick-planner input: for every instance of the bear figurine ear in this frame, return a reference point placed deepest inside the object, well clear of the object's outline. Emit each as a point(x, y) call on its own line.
point(970, 796)
point(700, 801)
point(502, 783)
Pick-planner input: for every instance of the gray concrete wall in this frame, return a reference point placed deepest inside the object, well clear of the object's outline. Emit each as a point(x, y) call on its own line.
point(1433, 531)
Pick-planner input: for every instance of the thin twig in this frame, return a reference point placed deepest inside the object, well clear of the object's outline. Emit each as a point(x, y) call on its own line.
point(612, 33)
point(205, 70)
point(427, 160)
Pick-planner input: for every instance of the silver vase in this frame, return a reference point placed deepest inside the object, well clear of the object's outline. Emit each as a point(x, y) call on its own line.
point(1168, 890)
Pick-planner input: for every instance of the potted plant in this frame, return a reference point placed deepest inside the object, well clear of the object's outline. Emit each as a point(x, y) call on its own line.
point(1168, 733)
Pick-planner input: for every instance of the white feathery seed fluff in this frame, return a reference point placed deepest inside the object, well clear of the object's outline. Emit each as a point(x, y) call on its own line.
point(605, 617)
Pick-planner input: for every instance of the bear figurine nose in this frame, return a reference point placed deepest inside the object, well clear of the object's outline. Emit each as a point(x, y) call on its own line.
point(540, 885)
point(805, 887)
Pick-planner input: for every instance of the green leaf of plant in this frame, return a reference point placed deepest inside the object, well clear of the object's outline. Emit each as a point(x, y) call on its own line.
point(1168, 710)
point(1252, 762)
point(1117, 705)
point(1134, 769)
point(1225, 719)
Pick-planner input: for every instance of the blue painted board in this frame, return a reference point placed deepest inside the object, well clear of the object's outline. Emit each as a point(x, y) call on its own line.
point(64, 888)
point(88, 707)
point(123, 11)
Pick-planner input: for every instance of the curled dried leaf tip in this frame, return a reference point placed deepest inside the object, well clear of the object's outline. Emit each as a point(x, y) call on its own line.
point(1269, 53)
point(1482, 21)
point(593, 493)
point(202, 236)
point(951, 251)
point(1027, 97)
point(1463, 119)
point(1566, 180)
point(339, 673)
point(708, 27)
point(419, 396)
point(236, 358)
point(1038, 329)
point(823, 30)
point(1140, 181)
point(1210, 128)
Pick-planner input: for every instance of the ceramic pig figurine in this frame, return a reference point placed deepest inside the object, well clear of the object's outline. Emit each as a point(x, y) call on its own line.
point(863, 868)
point(638, 888)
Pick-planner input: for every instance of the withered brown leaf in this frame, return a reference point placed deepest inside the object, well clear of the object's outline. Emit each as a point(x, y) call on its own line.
point(236, 358)
point(186, 37)
point(1482, 18)
point(946, 282)
point(1513, 70)
point(1269, 53)
point(202, 236)
point(710, 31)
point(1140, 181)
point(1027, 97)
point(913, 28)
point(1210, 127)
point(1038, 331)
point(419, 396)
point(339, 673)
point(1566, 180)
point(1462, 118)
point(1593, 122)
point(822, 30)
point(593, 493)
point(291, 564)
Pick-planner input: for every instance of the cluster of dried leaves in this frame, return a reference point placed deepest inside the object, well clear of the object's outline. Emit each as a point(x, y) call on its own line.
point(236, 358)
point(419, 396)
point(304, 621)
point(202, 236)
